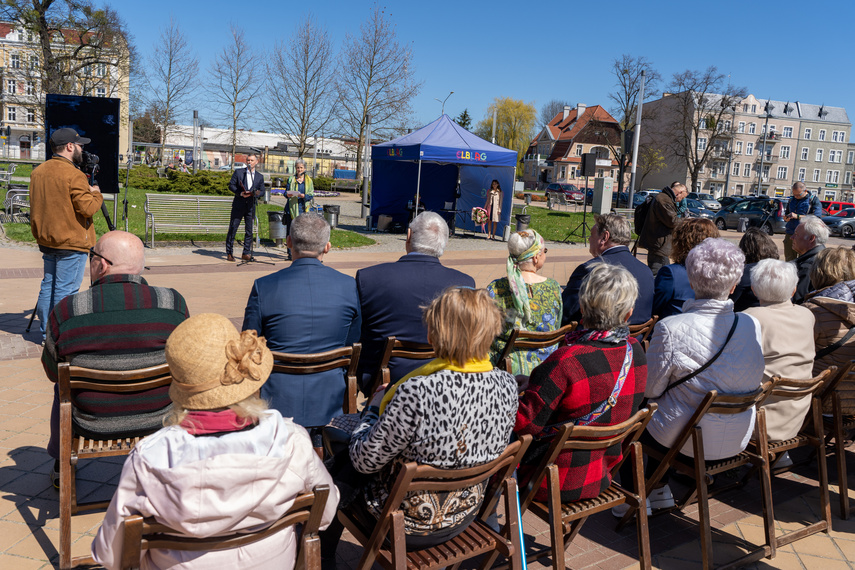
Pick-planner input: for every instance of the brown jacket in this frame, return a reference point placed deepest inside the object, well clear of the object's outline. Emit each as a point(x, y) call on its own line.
point(661, 218)
point(62, 206)
point(834, 318)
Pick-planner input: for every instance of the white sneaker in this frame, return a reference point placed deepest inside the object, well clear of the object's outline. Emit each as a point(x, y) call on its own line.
point(621, 510)
point(785, 460)
point(661, 498)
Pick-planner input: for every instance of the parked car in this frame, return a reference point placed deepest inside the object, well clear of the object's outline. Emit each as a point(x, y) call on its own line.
point(728, 200)
point(620, 199)
point(833, 207)
point(708, 200)
point(639, 197)
point(842, 223)
point(233, 167)
point(569, 190)
point(764, 213)
point(697, 209)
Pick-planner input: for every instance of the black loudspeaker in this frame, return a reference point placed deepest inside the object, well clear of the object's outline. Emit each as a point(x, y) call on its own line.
point(589, 164)
point(95, 118)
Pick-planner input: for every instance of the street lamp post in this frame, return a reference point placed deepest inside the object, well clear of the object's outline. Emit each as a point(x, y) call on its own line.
point(768, 115)
point(443, 101)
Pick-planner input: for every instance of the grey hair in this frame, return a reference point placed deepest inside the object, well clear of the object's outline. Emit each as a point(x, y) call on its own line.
point(606, 296)
point(429, 234)
point(251, 408)
point(310, 233)
point(816, 228)
point(617, 226)
point(300, 161)
point(714, 267)
point(773, 280)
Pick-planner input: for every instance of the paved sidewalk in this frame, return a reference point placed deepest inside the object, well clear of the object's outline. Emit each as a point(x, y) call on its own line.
point(28, 503)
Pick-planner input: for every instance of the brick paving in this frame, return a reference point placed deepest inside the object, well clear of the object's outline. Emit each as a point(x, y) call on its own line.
point(28, 503)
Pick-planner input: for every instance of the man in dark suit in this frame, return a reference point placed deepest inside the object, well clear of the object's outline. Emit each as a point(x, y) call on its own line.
point(303, 309)
point(247, 184)
point(392, 295)
point(608, 243)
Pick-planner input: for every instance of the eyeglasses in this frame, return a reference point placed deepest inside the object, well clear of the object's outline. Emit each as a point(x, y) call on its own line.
point(93, 254)
point(545, 250)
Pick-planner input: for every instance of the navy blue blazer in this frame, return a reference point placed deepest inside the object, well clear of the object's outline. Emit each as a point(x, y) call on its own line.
point(672, 289)
point(392, 296)
point(302, 309)
point(238, 184)
point(619, 255)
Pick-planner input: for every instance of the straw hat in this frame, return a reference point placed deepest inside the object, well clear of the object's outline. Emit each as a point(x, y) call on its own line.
point(214, 366)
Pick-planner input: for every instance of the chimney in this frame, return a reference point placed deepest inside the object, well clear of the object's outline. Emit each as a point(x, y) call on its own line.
point(566, 114)
point(580, 110)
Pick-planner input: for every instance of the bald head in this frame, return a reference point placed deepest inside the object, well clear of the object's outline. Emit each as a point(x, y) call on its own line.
point(125, 252)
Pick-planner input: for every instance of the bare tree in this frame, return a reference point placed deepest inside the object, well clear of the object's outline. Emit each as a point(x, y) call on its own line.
point(650, 161)
point(301, 90)
point(702, 104)
point(234, 84)
point(171, 80)
point(550, 109)
point(376, 80)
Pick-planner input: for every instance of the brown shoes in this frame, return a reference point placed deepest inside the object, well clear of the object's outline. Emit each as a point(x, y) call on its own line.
point(230, 257)
point(247, 257)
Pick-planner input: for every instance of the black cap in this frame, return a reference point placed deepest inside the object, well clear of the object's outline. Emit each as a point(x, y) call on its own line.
point(65, 136)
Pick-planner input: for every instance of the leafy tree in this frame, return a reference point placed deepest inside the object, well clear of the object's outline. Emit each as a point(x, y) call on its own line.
point(376, 80)
point(552, 108)
point(515, 122)
point(464, 120)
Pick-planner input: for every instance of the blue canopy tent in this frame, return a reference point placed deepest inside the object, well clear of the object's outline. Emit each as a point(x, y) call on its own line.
point(439, 165)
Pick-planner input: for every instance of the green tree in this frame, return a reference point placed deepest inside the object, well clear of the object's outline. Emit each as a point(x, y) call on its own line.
point(515, 122)
point(464, 120)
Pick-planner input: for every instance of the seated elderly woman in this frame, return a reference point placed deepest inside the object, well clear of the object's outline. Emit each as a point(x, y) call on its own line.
point(597, 379)
point(833, 265)
point(756, 245)
point(834, 310)
point(530, 301)
point(222, 441)
point(454, 412)
point(785, 354)
point(684, 343)
point(672, 285)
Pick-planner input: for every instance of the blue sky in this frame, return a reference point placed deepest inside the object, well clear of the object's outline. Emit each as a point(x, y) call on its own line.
point(542, 50)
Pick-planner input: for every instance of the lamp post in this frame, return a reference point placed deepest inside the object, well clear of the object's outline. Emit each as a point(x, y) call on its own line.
point(443, 101)
point(768, 115)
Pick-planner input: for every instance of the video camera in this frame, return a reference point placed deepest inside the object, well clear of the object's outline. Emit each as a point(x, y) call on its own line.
point(90, 167)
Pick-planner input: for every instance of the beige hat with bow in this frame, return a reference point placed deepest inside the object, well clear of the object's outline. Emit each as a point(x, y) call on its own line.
point(214, 366)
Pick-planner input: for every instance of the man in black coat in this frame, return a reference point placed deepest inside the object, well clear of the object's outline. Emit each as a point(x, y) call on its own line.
point(608, 244)
point(247, 184)
point(662, 217)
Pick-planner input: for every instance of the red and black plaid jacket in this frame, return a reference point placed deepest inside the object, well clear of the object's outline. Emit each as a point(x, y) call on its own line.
point(568, 385)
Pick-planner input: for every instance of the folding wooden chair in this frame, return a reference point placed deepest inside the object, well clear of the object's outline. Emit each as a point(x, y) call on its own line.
point(788, 388)
point(141, 534)
point(477, 539)
point(74, 447)
point(531, 340)
point(700, 470)
point(643, 331)
point(566, 519)
point(395, 348)
point(346, 357)
point(836, 428)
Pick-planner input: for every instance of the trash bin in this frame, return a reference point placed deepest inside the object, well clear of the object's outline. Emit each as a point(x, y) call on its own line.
point(523, 220)
point(266, 199)
point(277, 227)
point(527, 198)
point(331, 212)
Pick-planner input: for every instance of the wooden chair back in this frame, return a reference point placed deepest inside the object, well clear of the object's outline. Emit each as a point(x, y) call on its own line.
point(836, 429)
point(533, 340)
point(643, 331)
point(395, 348)
point(792, 388)
point(141, 534)
point(346, 357)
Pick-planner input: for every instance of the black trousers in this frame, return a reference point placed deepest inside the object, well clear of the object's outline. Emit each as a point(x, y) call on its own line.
point(240, 213)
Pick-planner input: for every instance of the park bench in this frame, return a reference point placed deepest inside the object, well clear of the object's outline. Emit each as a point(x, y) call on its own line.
point(558, 200)
point(627, 213)
point(345, 184)
point(187, 214)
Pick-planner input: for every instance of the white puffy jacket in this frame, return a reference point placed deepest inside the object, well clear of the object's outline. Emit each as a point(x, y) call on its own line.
point(681, 344)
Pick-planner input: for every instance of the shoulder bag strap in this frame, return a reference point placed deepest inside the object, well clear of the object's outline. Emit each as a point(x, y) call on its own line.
point(710, 361)
point(831, 348)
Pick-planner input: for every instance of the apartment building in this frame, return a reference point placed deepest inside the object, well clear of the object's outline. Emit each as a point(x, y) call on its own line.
point(824, 152)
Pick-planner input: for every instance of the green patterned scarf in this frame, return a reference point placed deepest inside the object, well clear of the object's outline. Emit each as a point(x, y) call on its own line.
point(519, 290)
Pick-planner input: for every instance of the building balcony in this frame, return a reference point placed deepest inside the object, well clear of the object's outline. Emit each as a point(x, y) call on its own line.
point(770, 138)
point(718, 175)
point(767, 158)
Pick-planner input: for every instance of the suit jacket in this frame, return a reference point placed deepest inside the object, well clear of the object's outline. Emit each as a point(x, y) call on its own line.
point(392, 296)
point(671, 290)
point(804, 263)
point(303, 309)
point(619, 255)
point(238, 184)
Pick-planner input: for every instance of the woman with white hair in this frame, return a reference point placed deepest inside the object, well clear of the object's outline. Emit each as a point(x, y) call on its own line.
point(785, 354)
point(710, 334)
point(529, 301)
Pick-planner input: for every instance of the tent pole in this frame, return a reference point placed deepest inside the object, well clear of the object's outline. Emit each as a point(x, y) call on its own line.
point(418, 189)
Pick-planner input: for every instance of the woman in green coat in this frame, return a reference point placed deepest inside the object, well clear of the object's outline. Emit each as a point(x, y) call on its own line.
point(299, 190)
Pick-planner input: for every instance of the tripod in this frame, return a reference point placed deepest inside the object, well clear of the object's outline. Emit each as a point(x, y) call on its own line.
point(584, 223)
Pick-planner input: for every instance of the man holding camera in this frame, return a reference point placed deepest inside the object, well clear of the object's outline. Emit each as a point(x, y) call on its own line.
point(62, 204)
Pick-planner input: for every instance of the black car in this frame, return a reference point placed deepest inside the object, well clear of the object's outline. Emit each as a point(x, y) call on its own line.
point(728, 200)
point(764, 213)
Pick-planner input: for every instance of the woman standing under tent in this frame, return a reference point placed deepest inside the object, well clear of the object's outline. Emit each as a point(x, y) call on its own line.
point(494, 206)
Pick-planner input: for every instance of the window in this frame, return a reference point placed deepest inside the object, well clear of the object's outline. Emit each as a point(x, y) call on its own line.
point(782, 173)
point(34, 62)
point(822, 134)
point(31, 116)
point(788, 132)
point(736, 168)
point(771, 130)
point(753, 108)
point(746, 170)
point(816, 174)
point(847, 178)
point(749, 148)
point(702, 169)
point(572, 172)
point(10, 86)
point(702, 143)
point(745, 108)
point(15, 61)
point(101, 92)
point(100, 69)
point(766, 172)
point(578, 150)
point(850, 157)
point(738, 147)
point(832, 176)
point(31, 88)
point(741, 127)
point(802, 173)
point(834, 136)
point(785, 152)
point(835, 156)
point(563, 172)
point(752, 128)
point(807, 134)
point(818, 155)
point(11, 114)
point(804, 153)
point(727, 126)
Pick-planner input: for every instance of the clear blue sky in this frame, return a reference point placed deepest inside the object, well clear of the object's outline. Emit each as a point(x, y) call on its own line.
point(543, 50)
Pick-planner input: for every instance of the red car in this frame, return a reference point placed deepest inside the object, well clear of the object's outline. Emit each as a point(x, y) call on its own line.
point(569, 190)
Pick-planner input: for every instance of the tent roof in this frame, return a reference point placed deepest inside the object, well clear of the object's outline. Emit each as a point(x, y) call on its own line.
point(444, 141)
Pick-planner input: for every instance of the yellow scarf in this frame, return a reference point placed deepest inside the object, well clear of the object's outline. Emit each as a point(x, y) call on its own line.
point(436, 365)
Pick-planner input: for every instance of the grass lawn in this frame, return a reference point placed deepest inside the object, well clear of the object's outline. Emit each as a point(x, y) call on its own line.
point(555, 225)
point(23, 169)
point(136, 225)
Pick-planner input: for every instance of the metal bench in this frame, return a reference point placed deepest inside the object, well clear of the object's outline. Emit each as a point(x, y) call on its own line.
point(627, 213)
point(187, 214)
point(6, 175)
point(346, 184)
point(18, 196)
point(558, 199)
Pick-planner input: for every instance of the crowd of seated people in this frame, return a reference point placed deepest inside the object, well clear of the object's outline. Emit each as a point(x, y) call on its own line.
point(459, 410)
